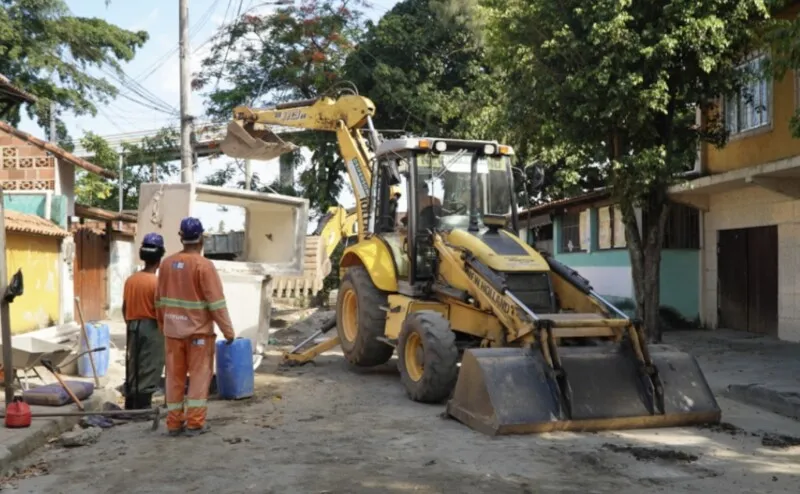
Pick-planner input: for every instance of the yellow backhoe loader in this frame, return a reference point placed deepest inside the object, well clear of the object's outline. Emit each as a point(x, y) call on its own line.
point(518, 342)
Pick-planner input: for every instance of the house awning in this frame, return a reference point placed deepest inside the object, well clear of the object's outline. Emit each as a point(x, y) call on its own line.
point(781, 176)
point(32, 224)
point(8, 90)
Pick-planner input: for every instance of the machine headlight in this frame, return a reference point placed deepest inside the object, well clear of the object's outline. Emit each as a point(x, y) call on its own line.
point(440, 146)
point(489, 149)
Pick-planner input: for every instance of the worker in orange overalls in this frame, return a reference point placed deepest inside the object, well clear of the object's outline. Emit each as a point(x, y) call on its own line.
point(189, 301)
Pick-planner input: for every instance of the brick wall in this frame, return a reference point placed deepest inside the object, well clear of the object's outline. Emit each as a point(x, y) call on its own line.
point(752, 207)
point(25, 166)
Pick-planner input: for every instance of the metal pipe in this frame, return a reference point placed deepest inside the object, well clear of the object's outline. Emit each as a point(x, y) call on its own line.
point(5, 322)
point(522, 305)
point(609, 304)
point(473, 194)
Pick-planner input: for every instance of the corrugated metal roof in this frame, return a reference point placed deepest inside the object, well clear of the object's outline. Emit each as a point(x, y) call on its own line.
point(30, 223)
point(569, 201)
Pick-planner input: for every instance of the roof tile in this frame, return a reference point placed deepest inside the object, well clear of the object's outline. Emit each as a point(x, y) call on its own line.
point(30, 223)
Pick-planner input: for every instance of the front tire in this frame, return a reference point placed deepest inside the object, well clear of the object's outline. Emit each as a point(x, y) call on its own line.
point(360, 319)
point(427, 357)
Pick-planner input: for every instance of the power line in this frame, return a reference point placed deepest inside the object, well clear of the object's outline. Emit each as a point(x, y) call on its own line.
point(227, 48)
point(159, 62)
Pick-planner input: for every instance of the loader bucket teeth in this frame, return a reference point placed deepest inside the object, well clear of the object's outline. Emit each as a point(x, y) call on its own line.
point(242, 141)
point(508, 391)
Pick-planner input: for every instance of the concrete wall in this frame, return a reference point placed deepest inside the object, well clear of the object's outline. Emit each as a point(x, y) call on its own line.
point(275, 225)
point(752, 207)
point(123, 262)
point(38, 257)
point(609, 271)
point(25, 167)
point(44, 204)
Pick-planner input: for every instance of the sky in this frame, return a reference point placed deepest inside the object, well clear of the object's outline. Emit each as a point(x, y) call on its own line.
point(156, 69)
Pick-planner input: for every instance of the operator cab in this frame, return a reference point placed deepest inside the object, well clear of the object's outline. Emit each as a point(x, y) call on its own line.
point(444, 185)
point(435, 177)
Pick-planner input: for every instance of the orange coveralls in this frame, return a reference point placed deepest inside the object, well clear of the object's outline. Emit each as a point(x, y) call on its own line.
point(189, 301)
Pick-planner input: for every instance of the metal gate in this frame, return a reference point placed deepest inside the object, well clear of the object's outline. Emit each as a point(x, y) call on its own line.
point(91, 273)
point(747, 264)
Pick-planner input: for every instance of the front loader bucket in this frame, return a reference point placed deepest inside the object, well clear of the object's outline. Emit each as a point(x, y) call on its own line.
point(243, 141)
point(508, 391)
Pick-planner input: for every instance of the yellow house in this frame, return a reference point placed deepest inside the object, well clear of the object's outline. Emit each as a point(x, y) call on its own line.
point(33, 245)
point(750, 202)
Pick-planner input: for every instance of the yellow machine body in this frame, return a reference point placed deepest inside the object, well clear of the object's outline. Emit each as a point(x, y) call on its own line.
point(512, 340)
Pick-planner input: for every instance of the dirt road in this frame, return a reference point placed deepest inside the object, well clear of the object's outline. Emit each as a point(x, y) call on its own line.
point(332, 429)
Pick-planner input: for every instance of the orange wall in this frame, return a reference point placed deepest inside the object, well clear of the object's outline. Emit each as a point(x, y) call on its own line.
point(767, 144)
point(764, 145)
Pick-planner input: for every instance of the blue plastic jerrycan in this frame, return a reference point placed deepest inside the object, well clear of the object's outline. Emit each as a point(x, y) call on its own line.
point(235, 374)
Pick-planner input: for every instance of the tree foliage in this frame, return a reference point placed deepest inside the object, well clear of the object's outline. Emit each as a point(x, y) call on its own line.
point(47, 51)
point(612, 86)
point(296, 52)
point(151, 160)
point(426, 73)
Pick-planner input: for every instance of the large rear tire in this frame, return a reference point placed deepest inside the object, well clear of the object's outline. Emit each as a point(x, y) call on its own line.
point(360, 319)
point(427, 357)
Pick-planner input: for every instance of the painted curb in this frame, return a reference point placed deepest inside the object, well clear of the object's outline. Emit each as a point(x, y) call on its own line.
point(24, 444)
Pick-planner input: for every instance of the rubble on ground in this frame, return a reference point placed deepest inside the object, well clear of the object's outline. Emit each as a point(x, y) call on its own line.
point(80, 437)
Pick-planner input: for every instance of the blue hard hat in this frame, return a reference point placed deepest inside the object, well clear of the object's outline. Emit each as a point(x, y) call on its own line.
point(191, 230)
point(153, 240)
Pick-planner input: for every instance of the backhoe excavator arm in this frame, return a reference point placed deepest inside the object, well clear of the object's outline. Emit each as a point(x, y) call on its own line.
point(335, 226)
point(344, 116)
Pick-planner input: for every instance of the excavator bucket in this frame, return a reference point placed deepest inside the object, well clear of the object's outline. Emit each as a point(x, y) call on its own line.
point(244, 141)
point(513, 391)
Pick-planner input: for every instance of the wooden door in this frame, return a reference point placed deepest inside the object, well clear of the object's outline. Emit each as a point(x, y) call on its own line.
point(90, 273)
point(732, 279)
point(762, 280)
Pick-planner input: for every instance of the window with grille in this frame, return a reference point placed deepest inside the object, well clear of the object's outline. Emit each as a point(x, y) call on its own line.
point(682, 230)
point(750, 108)
point(571, 226)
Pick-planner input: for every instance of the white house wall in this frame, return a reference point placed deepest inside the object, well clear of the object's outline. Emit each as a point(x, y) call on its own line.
point(754, 207)
point(122, 264)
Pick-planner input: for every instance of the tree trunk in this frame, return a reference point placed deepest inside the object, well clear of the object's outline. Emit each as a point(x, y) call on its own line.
point(644, 248)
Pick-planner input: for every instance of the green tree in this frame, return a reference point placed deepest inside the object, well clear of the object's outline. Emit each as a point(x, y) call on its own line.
point(294, 53)
point(151, 160)
point(613, 86)
point(47, 51)
point(427, 73)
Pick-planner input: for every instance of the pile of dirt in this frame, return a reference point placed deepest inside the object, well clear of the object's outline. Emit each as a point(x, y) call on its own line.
point(652, 454)
point(302, 328)
point(726, 428)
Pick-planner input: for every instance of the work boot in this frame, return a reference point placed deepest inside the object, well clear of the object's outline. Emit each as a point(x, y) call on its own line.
point(197, 432)
point(177, 432)
point(145, 401)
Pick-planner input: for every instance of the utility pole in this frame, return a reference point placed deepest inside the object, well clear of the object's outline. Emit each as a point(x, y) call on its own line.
point(53, 137)
point(248, 175)
point(187, 171)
